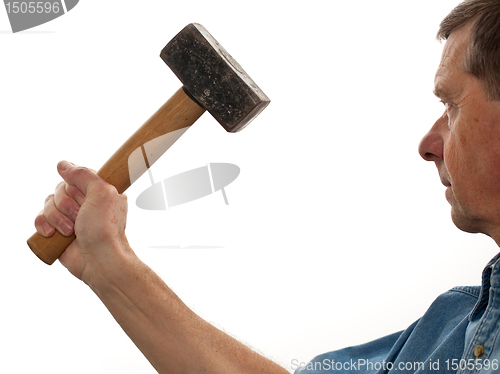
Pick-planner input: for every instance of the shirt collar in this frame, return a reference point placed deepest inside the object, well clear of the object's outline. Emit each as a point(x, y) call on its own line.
point(491, 276)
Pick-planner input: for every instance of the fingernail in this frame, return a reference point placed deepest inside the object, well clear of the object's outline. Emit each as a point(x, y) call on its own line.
point(73, 214)
point(47, 229)
point(66, 228)
point(63, 165)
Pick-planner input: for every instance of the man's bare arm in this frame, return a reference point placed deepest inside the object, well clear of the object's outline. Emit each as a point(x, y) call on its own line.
point(169, 334)
point(172, 337)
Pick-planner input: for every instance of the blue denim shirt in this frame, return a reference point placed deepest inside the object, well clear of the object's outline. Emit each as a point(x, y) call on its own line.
point(457, 334)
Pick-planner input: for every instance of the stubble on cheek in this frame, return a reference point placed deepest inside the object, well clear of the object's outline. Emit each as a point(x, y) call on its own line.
point(452, 157)
point(458, 169)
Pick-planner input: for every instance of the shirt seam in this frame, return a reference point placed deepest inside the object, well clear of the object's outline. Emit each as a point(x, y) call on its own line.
point(456, 289)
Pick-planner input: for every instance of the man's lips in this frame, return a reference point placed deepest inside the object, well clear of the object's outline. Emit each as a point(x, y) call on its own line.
point(445, 178)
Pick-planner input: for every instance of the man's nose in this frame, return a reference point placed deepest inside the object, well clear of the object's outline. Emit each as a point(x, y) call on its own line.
point(431, 145)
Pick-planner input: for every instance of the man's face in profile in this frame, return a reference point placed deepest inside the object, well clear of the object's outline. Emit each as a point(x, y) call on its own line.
point(464, 142)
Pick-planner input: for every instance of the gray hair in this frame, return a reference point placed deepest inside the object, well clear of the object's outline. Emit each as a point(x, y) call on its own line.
point(482, 58)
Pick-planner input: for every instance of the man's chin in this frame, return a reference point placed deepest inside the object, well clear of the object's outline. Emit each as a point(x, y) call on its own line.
point(464, 223)
point(450, 197)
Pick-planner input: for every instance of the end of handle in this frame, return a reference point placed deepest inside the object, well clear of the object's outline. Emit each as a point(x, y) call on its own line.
point(49, 249)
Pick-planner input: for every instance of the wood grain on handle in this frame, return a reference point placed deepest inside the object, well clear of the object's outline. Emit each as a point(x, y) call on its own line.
point(179, 112)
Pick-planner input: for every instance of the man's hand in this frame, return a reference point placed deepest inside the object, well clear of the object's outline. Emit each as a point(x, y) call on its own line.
point(172, 337)
point(87, 205)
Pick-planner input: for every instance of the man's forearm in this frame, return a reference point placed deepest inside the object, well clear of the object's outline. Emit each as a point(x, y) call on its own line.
point(172, 337)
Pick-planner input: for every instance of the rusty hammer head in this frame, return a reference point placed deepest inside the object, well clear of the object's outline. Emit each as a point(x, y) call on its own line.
point(213, 78)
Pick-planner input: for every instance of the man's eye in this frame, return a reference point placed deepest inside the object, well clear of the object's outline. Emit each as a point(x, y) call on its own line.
point(449, 108)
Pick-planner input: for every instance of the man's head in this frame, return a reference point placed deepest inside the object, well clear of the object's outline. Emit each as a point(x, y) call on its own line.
point(465, 141)
point(482, 58)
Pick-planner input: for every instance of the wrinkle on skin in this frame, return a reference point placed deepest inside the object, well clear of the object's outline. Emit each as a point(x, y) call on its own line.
point(465, 142)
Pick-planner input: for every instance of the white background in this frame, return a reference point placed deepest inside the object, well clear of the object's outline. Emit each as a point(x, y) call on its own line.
point(337, 231)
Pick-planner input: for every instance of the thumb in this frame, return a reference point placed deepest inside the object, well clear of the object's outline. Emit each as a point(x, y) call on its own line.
point(81, 177)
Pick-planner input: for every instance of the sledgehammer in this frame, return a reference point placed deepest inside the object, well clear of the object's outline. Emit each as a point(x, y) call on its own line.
point(212, 80)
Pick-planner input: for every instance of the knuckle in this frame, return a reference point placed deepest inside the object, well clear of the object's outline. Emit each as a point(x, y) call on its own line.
point(65, 203)
point(78, 172)
point(53, 216)
point(50, 197)
point(74, 193)
point(70, 190)
point(82, 170)
point(105, 195)
point(40, 219)
point(107, 191)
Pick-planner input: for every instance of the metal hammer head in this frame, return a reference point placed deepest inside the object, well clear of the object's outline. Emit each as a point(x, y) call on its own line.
point(213, 78)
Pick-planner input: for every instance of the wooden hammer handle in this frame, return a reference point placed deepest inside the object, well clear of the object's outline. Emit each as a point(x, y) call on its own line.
point(178, 113)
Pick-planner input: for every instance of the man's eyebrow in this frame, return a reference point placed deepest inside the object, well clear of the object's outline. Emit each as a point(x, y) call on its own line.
point(442, 93)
